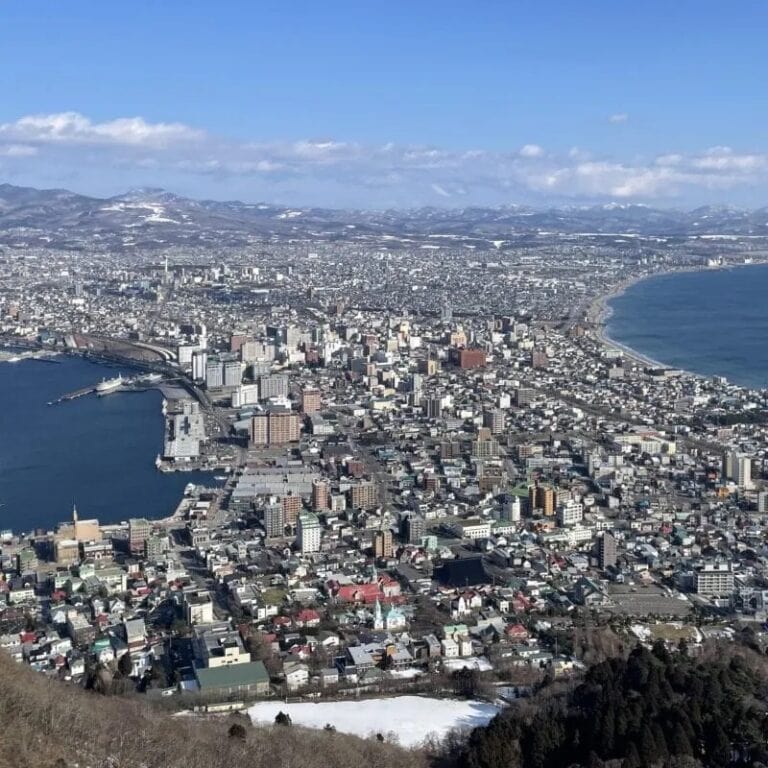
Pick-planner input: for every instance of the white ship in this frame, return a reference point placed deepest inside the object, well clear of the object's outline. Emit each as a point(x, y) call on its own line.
point(105, 386)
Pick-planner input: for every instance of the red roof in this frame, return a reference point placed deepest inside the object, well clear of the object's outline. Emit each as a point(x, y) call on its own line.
point(359, 593)
point(307, 615)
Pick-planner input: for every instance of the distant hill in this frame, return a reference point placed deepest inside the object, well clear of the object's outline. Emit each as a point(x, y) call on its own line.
point(50, 724)
point(154, 218)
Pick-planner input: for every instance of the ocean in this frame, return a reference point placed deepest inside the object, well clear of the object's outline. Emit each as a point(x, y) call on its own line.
point(95, 452)
point(712, 322)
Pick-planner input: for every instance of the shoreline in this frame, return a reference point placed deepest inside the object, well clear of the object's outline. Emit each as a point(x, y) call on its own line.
point(161, 517)
point(599, 312)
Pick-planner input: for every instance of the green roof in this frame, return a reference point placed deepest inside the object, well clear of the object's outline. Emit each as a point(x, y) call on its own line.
point(232, 675)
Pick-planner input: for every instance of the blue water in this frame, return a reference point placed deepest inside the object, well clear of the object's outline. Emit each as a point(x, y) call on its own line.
point(97, 452)
point(711, 323)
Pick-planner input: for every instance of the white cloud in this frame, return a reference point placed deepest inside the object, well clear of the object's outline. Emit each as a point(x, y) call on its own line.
point(70, 142)
point(17, 150)
point(531, 150)
point(618, 118)
point(74, 128)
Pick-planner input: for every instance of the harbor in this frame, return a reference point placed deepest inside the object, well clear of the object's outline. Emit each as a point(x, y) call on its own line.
point(109, 386)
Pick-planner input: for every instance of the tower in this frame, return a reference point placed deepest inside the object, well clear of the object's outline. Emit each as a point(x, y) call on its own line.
point(378, 617)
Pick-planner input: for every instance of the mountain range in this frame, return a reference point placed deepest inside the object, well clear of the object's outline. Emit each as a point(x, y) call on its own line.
point(151, 218)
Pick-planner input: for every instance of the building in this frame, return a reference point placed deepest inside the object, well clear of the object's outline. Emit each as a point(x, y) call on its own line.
point(139, 530)
point(308, 533)
point(311, 400)
point(214, 374)
point(471, 528)
point(233, 373)
point(524, 396)
point(245, 394)
point(284, 427)
point(251, 679)
point(539, 359)
point(320, 495)
point(273, 385)
point(199, 364)
point(570, 512)
point(494, 421)
point(542, 497)
point(291, 505)
point(186, 430)
point(67, 552)
point(714, 580)
point(275, 427)
point(79, 530)
point(382, 544)
point(274, 521)
point(606, 550)
point(414, 529)
point(432, 407)
point(738, 468)
point(468, 358)
point(260, 429)
point(364, 495)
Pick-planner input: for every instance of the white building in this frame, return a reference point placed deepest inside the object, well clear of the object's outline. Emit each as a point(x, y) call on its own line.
point(308, 533)
point(570, 512)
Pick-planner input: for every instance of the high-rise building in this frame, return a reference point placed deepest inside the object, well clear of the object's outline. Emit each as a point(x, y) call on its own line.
point(308, 533)
point(494, 420)
point(432, 407)
point(738, 467)
point(363, 495)
point(414, 529)
point(274, 523)
point(606, 550)
point(291, 504)
point(467, 358)
point(382, 544)
point(233, 373)
point(260, 429)
point(139, 530)
point(511, 509)
point(484, 447)
point(524, 396)
point(284, 427)
point(311, 400)
point(214, 374)
point(542, 497)
point(320, 495)
point(273, 385)
point(275, 428)
point(199, 364)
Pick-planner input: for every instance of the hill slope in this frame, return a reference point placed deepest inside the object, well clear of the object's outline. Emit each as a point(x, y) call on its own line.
point(48, 724)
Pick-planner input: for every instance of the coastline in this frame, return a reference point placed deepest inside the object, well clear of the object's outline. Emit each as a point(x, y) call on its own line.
point(600, 311)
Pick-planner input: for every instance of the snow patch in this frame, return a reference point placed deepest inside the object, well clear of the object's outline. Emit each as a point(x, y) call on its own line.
point(412, 718)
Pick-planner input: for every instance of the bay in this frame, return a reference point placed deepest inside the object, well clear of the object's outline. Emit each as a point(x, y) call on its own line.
point(96, 452)
point(712, 322)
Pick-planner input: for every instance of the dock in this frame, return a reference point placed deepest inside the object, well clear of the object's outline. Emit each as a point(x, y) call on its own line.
point(73, 395)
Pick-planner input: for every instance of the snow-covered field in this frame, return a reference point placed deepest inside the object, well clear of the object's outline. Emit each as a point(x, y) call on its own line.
point(411, 718)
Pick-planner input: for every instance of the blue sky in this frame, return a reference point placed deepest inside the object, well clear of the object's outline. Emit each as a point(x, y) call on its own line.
point(389, 103)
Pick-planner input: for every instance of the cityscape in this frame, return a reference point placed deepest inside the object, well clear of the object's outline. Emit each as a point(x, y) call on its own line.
point(470, 473)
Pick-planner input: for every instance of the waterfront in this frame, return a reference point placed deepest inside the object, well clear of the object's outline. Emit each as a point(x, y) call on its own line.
point(712, 322)
point(96, 452)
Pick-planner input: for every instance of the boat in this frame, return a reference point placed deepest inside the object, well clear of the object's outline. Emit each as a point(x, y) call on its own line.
point(150, 378)
point(105, 386)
